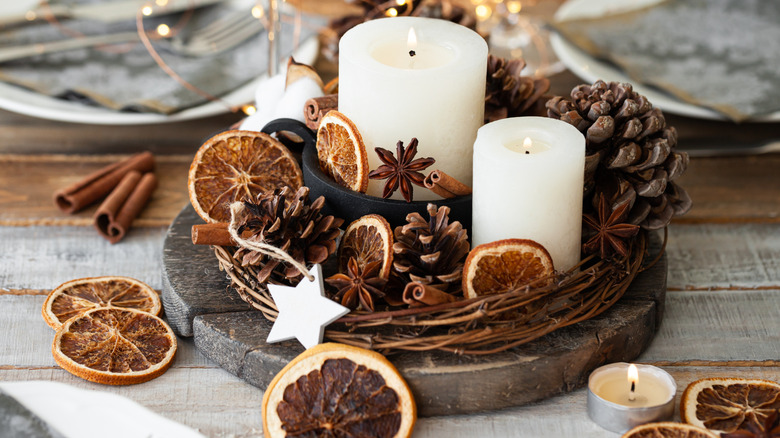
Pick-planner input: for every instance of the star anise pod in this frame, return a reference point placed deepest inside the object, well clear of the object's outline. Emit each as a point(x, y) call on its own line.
point(358, 287)
point(769, 429)
point(609, 231)
point(402, 171)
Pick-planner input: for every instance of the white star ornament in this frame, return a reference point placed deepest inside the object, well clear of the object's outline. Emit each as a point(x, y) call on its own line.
point(304, 311)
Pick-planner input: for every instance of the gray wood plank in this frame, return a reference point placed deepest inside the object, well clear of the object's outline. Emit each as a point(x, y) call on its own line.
point(718, 326)
point(222, 406)
point(45, 257)
point(724, 255)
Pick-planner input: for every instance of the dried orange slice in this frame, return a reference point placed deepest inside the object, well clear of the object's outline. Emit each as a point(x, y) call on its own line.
point(115, 346)
point(727, 404)
point(668, 430)
point(504, 266)
point(368, 239)
point(341, 151)
point(341, 391)
point(75, 297)
point(238, 165)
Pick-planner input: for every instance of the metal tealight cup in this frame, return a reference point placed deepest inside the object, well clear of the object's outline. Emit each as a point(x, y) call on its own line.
point(621, 418)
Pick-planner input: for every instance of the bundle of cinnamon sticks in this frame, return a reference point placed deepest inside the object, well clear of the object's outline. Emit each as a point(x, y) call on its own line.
point(126, 186)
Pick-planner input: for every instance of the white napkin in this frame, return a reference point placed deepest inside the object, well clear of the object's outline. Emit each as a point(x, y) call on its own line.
point(79, 413)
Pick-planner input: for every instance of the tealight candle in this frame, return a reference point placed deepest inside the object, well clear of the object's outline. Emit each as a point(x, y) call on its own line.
point(528, 178)
point(622, 396)
point(417, 77)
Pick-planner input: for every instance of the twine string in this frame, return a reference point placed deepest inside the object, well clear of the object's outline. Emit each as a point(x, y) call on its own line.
point(236, 209)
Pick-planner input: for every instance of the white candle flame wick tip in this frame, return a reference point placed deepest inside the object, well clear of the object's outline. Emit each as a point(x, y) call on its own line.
point(633, 377)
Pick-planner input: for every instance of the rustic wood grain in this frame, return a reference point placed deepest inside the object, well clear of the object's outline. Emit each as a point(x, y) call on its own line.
point(728, 189)
point(220, 405)
point(28, 135)
point(28, 182)
point(719, 326)
point(724, 255)
point(45, 257)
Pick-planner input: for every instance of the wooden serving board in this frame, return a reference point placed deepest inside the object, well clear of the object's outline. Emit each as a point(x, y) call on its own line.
point(199, 302)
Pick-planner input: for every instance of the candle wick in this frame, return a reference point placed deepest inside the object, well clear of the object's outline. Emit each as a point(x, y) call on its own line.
point(632, 394)
point(412, 53)
point(527, 152)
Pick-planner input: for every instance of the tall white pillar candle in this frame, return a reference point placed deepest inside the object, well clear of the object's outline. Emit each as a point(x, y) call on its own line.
point(531, 191)
point(437, 95)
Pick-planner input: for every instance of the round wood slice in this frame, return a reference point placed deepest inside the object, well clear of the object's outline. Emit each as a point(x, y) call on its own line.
point(199, 302)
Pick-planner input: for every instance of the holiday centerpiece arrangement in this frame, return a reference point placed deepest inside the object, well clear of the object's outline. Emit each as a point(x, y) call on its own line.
point(557, 208)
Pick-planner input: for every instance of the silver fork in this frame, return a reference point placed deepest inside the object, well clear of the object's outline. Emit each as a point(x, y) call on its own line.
point(221, 35)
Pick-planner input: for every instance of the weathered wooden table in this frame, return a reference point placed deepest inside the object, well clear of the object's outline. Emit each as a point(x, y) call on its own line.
point(722, 306)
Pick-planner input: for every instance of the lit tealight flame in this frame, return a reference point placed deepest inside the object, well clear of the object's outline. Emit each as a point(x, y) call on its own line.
point(146, 10)
point(400, 2)
point(257, 12)
point(249, 109)
point(633, 378)
point(162, 3)
point(392, 12)
point(163, 30)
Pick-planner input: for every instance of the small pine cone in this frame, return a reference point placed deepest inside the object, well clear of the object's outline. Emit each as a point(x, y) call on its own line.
point(631, 154)
point(291, 223)
point(507, 93)
point(431, 252)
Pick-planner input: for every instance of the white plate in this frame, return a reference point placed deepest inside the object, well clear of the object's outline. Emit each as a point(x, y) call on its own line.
point(16, 99)
point(591, 69)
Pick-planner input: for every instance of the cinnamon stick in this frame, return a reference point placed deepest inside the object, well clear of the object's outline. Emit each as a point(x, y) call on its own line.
point(417, 294)
point(445, 186)
point(316, 108)
point(116, 214)
point(97, 185)
point(212, 234)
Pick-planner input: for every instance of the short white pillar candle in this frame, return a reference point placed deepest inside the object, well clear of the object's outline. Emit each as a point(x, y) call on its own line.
point(437, 95)
point(528, 182)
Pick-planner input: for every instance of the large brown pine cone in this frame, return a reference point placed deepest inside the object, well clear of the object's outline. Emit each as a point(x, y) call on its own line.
point(508, 94)
point(631, 153)
point(431, 251)
point(291, 223)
